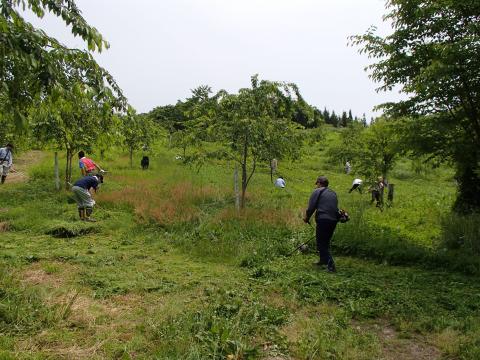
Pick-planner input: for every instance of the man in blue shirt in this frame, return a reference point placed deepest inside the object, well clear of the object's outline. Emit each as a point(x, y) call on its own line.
point(6, 161)
point(83, 196)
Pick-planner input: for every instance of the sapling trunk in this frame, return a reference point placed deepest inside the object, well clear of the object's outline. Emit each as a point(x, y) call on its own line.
point(68, 169)
point(57, 175)
point(235, 186)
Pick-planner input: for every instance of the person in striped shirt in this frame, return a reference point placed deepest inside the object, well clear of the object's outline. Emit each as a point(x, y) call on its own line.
point(6, 161)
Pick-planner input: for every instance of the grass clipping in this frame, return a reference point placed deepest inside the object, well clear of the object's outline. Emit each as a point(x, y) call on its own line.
point(64, 229)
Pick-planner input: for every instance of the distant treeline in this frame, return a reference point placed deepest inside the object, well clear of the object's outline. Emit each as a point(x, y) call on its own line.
point(339, 121)
point(179, 113)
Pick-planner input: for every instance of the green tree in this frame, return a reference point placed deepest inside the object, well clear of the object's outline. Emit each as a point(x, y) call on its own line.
point(377, 149)
point(253, 126)
point(326, 116)
point(344, 119)
point(72, 120)
point(33, 65)
point(348, 147)
point(137, 131)
point(334, 119)
point(433, 54)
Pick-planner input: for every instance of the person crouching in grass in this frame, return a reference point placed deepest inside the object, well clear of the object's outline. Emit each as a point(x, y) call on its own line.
point(82, 193)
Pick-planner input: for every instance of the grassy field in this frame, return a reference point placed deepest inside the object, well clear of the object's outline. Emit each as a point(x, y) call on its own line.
point(171, 271)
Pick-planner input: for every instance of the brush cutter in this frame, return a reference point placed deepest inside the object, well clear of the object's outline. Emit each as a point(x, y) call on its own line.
point(18, 172)
point(302, 245)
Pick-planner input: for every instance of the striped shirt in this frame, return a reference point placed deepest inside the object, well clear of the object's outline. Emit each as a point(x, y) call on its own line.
point(6, 155)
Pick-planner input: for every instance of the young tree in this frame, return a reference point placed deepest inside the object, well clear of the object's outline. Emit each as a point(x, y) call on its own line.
point(434, 56)
point(253, 126)
point(170, 117)
point(377, 149)
point(137, 131)
point(72, 120)
point(349, 146)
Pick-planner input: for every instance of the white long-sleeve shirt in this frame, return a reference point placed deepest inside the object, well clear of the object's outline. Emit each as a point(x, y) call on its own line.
point(280, 183)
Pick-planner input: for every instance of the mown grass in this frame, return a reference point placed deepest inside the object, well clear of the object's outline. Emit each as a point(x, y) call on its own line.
point(171, 271)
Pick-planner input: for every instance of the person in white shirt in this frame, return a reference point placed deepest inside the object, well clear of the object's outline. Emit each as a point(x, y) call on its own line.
point(280, 183)
point(357, 184)
point(348, 167)
point(6, 161)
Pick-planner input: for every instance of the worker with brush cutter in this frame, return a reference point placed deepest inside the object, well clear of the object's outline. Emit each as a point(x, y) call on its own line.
point(88, 166)
point(83, 196)
point(324, 203)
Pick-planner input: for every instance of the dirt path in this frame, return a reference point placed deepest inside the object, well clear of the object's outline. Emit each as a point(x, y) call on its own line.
point(22, 163)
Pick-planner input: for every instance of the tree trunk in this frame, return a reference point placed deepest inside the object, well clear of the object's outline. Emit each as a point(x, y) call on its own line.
point(131, 157)
point(102, 154)
point(244, 185)
point(244, 173)
point(57, 175)
point(391, 188)
point(468, 179)
point(68, 169)
point(235, 187)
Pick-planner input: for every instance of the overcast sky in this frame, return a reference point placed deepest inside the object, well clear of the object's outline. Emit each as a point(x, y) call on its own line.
point(160, 49)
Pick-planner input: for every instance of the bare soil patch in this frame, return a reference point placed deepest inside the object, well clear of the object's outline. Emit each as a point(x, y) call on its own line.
point(21, 165)
point(394, 347)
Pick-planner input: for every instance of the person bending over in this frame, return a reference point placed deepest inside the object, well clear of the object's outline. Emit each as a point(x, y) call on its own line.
point(280, 182)
point(356, 185)
point(82, 193)
point(87, 166)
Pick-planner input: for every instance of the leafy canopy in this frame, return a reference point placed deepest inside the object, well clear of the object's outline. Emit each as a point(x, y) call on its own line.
point(33, 64)
point(433, 54)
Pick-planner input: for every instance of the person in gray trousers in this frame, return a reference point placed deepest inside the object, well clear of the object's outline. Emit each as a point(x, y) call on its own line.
point(324, 203)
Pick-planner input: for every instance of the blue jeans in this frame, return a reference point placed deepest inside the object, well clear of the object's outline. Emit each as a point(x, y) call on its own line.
point(324, 233)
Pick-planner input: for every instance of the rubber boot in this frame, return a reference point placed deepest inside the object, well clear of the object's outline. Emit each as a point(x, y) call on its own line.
point(81, 213)
point(331, 266)
point(3, 178)
point(89, 212)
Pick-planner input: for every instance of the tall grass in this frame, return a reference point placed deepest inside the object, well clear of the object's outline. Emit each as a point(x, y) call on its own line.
point(21, 308)
point(165, 205)
point(231, 325)
point(461, 232)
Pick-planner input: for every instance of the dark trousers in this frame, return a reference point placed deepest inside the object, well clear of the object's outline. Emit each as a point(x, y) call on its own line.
point(356, 186)
point(324, 233)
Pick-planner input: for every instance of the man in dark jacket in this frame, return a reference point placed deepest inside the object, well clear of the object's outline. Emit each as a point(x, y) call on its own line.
point(324, 202)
